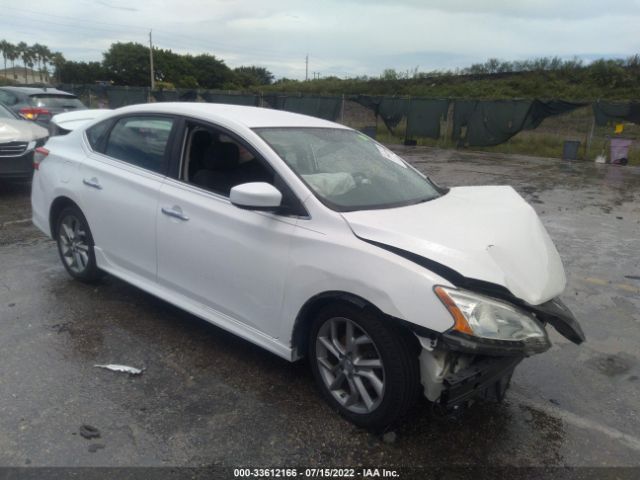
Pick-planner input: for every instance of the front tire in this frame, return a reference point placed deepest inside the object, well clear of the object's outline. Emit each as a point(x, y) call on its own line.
point(75, 245)
point(366, 369)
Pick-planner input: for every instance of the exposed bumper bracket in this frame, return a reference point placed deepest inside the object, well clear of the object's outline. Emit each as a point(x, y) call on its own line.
point(487, 376)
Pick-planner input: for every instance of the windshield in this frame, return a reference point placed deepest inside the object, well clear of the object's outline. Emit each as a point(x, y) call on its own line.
point(56, 101)
point(347, 170)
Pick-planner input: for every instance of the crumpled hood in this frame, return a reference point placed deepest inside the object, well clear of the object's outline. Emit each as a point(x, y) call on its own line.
point(20, 131)
point(483, 233)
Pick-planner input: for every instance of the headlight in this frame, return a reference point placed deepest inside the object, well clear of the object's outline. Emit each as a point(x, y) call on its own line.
point(488, 318)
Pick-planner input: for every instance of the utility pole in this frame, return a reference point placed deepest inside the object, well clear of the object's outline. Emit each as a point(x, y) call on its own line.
point(153, 83)
point(306, 68)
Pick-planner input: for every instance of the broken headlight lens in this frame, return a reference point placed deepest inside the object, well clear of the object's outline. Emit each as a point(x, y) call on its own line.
point(489, 318)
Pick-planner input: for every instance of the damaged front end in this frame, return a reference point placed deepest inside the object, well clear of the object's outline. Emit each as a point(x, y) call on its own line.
point(477, 356)
point(453, 380)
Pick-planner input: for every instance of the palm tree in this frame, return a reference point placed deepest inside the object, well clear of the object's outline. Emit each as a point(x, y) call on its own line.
point(45, 56)
point(58, 61)
point(5, 47)
point(24, 54)
point(36, 54)
point(31, 57)
point(12, 55)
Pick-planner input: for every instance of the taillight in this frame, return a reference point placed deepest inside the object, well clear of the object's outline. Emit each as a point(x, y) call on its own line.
point(32, 113)
point(39, 154)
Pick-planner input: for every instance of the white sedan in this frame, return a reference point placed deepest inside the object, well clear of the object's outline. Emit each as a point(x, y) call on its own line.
point(310, 239)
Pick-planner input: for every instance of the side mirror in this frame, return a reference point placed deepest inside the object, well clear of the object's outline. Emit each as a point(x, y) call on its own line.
point(256, 195)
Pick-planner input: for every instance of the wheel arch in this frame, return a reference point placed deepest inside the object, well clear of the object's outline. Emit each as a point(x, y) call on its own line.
point(300, 334)
point(59, 204)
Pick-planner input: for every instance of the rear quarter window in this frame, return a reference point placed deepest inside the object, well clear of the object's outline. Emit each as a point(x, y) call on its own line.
point(97, 134)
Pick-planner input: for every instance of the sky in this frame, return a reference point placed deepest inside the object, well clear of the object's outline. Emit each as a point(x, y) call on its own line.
point(342, 38)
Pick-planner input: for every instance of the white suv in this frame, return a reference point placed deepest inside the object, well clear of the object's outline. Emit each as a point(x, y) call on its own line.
point(309, 239)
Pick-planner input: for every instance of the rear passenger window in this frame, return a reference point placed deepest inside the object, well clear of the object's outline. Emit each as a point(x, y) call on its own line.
point(97, 133)
point(140, 141)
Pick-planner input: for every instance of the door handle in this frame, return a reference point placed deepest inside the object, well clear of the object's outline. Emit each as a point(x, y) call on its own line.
point(92, 182)
point(175, 213)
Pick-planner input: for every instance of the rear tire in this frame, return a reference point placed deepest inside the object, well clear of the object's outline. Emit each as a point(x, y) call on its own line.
point(373, 379)
point(75, 245)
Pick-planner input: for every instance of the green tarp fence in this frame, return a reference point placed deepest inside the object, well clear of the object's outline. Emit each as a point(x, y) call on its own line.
point(390, 109)
point(475, 122)
point(462, 110)
point(327, 108)
point(233, 99)
point(492, 122)
point(179, 95)
point(424, 117)
point(541, 109)
point(119, 97)
point(165, 95)
point(274, 100)
point(188, 94)
point(610, 112)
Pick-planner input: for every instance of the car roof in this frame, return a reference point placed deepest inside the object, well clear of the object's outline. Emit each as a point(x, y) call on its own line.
point(250, 117)
point(36, 90)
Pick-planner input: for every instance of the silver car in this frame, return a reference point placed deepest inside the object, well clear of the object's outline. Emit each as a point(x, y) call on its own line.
point(18, 139)
point(39, 104)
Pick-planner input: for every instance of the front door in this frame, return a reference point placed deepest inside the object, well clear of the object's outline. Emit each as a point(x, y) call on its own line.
point(228, 259)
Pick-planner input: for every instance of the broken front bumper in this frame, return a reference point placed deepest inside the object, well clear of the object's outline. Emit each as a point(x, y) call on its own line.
point(488, 378)
point(452, 379)
point(456, 368)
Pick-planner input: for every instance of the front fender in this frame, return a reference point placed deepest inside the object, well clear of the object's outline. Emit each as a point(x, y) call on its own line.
point(394, 285)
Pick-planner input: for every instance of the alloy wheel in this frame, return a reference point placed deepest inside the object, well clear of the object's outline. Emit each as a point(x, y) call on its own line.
point(350, 365)
point(73, 244)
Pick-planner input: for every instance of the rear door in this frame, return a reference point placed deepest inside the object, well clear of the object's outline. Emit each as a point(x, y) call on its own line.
point(120, 182)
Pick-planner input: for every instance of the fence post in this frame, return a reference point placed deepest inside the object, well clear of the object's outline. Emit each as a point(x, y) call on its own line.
point(587, 146)
point(448, 129)
point(342, 110)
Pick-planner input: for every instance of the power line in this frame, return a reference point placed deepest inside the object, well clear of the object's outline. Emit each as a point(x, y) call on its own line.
point(39, 13)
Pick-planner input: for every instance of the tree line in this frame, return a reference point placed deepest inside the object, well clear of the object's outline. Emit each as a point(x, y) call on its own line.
point(544, 77)
point(128, 64)
point(31, 56)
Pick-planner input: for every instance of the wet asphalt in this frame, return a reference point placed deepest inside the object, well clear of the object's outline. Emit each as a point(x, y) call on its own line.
point(209, 398)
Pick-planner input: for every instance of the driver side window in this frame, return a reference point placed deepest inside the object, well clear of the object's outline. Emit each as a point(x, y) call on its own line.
point(217, 162)
point(214, 161)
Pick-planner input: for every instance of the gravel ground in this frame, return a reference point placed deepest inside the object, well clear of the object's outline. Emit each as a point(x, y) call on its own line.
point(208, 398)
